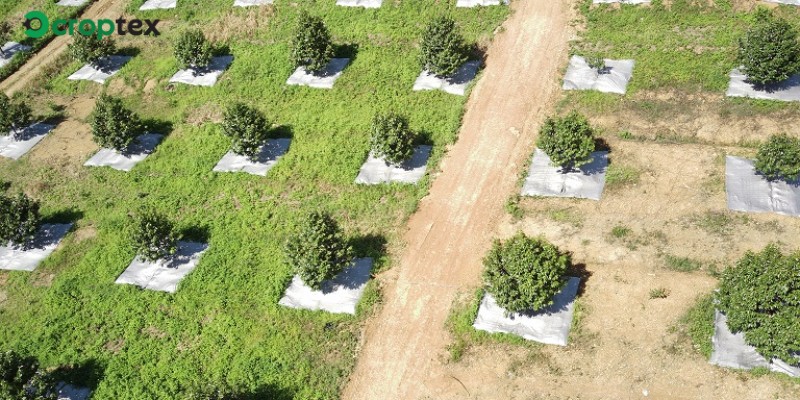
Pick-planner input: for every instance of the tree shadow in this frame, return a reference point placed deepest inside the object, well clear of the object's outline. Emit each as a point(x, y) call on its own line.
point(424, 137)
point(281, 132)
point(476, 52)
point(580, 271)
point(600, 144)
point(199, 234)
point(346, 50)
point(221, 50)
point(87, 374)
point(129, 51)
point(65, 216)
point(370, 245)
point(157, 126)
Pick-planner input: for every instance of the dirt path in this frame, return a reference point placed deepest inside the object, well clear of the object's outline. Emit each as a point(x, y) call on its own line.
point(47, 55)
point(454, 225)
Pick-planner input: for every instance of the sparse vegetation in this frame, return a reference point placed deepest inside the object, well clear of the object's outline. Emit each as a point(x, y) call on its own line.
point(442, 50)
point(19, 219)
point(154, 236)
point(312, 47)
point(618, 176)
point(192, 50)
point(318, 250)
point(659, 293)
point(568, 141)
point(681, 264)
point(779, 158)
point(620, 231)
point(113, 125)
point(248, 128)
point(392, 139)
point(769, 52)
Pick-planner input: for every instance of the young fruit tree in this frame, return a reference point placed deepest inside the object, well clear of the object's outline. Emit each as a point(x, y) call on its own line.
point(524, 274)
point(442, 49)
point(114, 126)
point(90, 50)
point(769, 52)
point(5, 35)
point(154, 236)
point(192, 50)
point(318, 250)
point(311, 47)
point(15, 116)
point(760, 295)
point(392, 139)
point(779, 158)
point(21, 378)
point(19, 219)
point(568, 141)
point(597, 63)
point(247, 127)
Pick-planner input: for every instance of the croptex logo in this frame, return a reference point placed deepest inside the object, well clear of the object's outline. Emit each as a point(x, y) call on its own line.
point(37, 25)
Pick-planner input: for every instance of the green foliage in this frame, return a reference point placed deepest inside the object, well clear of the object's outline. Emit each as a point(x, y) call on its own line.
point(698, 324)
point(318, 250)
point(89, 50)
point(19, 219)
point(391, 138)
point(21, 379)
point(311, 47)
point(568, 141)
point(596, 62)
point(114, 126)
point(442, 50)
point(192, 50)
point(779, 158)
point(248, 127)
point(15, 115)
point(524, 273)
point(769, 52)
point(154, 236)
point(5, 34)
point(761, 297)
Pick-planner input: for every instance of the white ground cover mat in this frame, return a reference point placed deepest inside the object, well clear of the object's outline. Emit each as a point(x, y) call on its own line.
point(476, 3)
point(375, 171)
point(29, 257)
point(788, 90)
point(9, 50)
point(158, 4)
point(620, 1)
point(456, 84)
point(733, 352)
point(749, 191)
point(613, 79)
point(360, 3)
point(269, 156)
point(142, 147)
point(206, 76)
point(164, 275)
point(324, 80)
point(71, 3)
point(251, 3)
point(107, 68)
point(550, 325)
point(587, 182)
point(790, 2)
point(339, 295)
point(15, 147)
point(70, 392)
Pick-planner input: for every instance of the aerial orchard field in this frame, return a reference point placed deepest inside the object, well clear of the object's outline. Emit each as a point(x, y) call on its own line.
point(223, 328)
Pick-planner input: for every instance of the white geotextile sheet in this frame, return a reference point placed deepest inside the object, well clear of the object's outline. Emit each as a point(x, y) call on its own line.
point(9, 50)
point(613, 79)
point(142, 147)
point(550, 325)
point(733, 352)
point(544, 179)
point(270, 154)
point(108, 66)
point(790, 2)
point(29, 257)
point(475, 3)
point(158, 4)
point(749, 191)
point(324, 80)
point(70, 392)
point(620, 1)
point(375, 171)
point(14, 147)
point(455, 84)
point(788, 90)
point(339, 295)
point(205, 76)
point(165, 274)
point(250, 3)
point(71, 3)
point(360, 3)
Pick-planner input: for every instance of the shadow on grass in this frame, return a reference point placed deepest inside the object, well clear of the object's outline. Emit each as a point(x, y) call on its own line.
point(282, 132)
point(65, 216)
point(370, 245)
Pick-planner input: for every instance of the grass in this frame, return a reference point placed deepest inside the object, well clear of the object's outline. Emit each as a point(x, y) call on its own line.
point(223, 327)
point(567, 216)
point(681, 264)
point(698, 325)
point(620, 231)
point(659, 293)
point(618, 176)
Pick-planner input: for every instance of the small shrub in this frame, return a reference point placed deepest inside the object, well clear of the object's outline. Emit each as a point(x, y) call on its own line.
point(597, 63)
point(248, 127)
point(15, 116)
point(192, 50)
point(154, 236)
point(89, 50)
point(620, 231)
point(318, 250)
point(779, 158)
point(311, 47)
point(5, 35)
point(19, 219)
point(392, 139)
point(21, 378)
point(682, 264)
point(760, 295)
point(442, 47)
point(512, 207)
point(659, 293)
point(568, 141)
point(524, 273)
point(769, 51)
point(114, 126)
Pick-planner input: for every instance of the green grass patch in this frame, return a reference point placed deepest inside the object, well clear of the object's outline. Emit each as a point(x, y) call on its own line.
point(698, 324)
point(681, 264)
